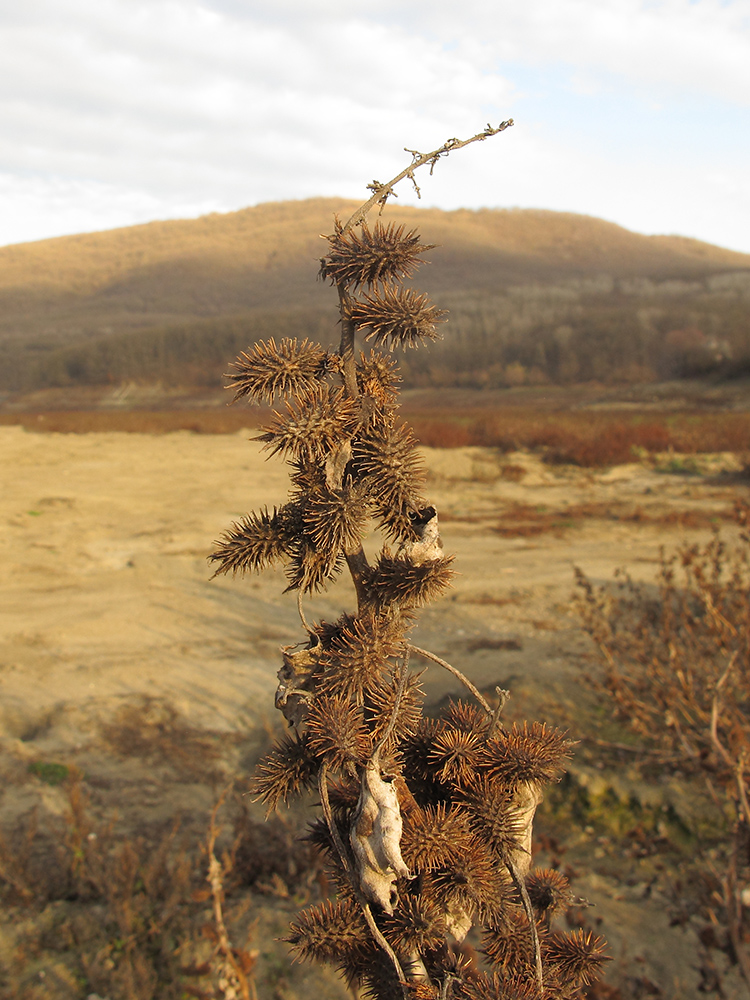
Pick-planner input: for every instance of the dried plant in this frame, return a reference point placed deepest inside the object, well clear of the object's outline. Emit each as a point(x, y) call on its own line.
point(676, 663)
point(427, 823)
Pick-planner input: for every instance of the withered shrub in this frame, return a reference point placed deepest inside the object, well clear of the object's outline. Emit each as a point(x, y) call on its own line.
point(676, 672)
point(132, 915)
point(426, 823)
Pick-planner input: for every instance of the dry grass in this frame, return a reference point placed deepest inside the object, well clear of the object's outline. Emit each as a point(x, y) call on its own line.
point(152, 730)
point(98, 909)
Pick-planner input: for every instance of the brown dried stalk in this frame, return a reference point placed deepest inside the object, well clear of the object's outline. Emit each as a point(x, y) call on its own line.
point(456, 673)
point(382, 192)
point(233, 982)
point(429, 822)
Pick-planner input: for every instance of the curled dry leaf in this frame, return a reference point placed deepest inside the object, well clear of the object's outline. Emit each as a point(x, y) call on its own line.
point(296, 682)
point(526, 798)
point(429, 544)
point(458, 923)
point(375, 837)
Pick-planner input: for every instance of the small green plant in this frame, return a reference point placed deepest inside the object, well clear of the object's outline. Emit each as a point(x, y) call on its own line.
point(679, 465)
point(426, 823)
point(49, 772)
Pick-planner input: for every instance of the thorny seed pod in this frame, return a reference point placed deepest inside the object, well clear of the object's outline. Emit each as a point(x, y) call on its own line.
point(491, 812)
point(375, 838)
point(387, 461)
point(289, 767)
point(435, 836)
point(272, 369)
point(378, 378)
point(357, 653)
point(329, 931)
point(396, 317)
point(369, 256)
point(313, 425)
point(533, 753)
point(254, 542)
point(337, 729)
point(508, 944)
point(311, 568)
point(576, 957)
point(549, 890)
point(398, 580)
point(336, 520)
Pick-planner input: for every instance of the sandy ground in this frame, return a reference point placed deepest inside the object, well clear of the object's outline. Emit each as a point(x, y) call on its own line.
point(106, 595)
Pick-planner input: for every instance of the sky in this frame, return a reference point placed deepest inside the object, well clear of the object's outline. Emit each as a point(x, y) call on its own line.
point(116, 112)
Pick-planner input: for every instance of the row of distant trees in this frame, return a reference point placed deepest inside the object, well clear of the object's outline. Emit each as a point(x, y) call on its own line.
point(527, 335)
point(605, 340)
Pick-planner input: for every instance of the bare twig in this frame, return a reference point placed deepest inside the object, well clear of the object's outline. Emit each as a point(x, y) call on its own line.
point(233, 982)
point(715, 714)
point(305, 625)
point(456, 673)
point(378, 935)
point(741, 789)
point(382, 192)
point(330, 822)
point(396, 705)
point(502, 698)
point(520, 884)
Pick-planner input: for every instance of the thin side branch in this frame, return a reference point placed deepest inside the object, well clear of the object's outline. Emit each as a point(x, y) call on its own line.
point(382, 192)
point(330, 822)
point(232, 980)
point(502, 698)
point(456, 673)
point(305, 624)
point(715, 714)
point(520, 884)
point(378, 935)
point(396, 705)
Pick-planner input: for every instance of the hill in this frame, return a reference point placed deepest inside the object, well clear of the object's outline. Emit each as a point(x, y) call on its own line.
point(163, 300)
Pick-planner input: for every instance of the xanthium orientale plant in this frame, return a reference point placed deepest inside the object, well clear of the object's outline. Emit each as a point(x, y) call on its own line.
point(426, 822)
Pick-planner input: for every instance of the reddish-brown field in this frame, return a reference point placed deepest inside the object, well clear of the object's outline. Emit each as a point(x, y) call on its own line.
point(590, 438)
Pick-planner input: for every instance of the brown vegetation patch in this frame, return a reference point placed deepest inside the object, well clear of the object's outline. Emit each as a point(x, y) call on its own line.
point(487, 642)
point(523, 520)
point(591, 439)
point(91, 909)
point(153, 730)
point(199, 421)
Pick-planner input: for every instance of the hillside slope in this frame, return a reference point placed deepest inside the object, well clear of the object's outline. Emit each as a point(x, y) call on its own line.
point(115, 299)
point(266, 257)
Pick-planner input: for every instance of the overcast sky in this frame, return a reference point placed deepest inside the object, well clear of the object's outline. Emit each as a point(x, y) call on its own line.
point(114, 112)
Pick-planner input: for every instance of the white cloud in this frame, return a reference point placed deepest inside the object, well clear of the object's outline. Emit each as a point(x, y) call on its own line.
point(118, 111)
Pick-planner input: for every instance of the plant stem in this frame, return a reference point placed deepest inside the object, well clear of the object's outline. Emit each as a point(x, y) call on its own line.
point(381, 192)
point(456, 673)
point(520, 884)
